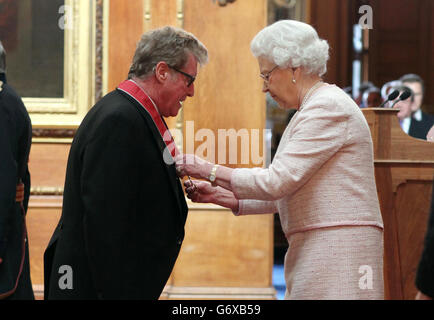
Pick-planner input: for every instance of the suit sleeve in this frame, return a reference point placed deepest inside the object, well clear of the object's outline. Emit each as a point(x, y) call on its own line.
point(317, 136)
point(8, 178)
point(108, 186)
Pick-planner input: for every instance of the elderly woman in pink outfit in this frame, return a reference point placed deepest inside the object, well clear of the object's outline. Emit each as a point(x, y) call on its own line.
point(321, 180)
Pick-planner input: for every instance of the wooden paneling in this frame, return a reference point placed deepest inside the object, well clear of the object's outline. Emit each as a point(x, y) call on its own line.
point(47, 164)
point(238, 244)
point(125, 29)
point(163, 13)
point(404, 173)
point(42, 218)
point(401, 42)
point(389, 139)
point(228, 92)
point(331, 19)
point(412, 218)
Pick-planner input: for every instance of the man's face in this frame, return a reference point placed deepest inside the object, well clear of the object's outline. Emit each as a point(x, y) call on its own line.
point(176, 90)
point(418, 96)
point(404, 108)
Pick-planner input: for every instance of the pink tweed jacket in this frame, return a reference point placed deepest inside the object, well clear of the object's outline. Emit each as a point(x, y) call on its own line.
point(322, 174)
point(321, 182)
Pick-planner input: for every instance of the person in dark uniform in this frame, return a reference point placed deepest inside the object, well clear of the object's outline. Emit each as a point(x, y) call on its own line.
point(15, 142)
point(124, 209)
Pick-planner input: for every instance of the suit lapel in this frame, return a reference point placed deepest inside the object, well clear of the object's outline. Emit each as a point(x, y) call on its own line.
point(164, 151)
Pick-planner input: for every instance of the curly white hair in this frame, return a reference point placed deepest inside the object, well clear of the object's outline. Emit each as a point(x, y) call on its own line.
point(290, 43)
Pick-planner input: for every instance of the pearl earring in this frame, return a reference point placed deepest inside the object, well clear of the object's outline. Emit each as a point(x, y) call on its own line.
point(293, 80)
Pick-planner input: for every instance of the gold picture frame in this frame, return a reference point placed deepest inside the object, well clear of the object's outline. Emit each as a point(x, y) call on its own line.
point(79, 73)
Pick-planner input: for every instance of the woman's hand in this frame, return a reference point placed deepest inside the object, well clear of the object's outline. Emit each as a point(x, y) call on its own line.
point(200, 191)
point(204, 192)
point(191, 165)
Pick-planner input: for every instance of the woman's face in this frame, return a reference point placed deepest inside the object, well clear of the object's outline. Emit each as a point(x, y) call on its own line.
point(279, 84)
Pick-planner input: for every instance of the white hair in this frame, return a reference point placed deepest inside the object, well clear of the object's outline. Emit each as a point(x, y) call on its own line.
point(168, 44)
point(290, 43)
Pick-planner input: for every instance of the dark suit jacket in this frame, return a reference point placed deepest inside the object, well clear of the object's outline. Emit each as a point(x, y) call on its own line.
point(15, 141)
point(124, 209)
point(419, 129)
point(425, 271)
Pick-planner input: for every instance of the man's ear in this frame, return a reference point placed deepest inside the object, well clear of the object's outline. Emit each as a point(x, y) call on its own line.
point(161, 71)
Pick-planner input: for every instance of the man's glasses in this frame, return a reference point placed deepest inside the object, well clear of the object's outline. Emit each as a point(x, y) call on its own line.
point(189, 76)
point(266, 76)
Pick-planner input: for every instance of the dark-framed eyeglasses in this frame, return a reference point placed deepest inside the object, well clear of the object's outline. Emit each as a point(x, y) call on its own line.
point(189, 76)
point(266, 76)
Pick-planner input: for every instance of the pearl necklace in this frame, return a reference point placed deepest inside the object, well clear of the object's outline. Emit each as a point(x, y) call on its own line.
point(311, 90)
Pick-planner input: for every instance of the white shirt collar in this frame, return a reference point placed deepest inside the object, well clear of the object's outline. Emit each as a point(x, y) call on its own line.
point(418, 115)
point(405, 124)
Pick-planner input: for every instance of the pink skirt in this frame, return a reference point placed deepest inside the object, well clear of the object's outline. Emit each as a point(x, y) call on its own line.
point(335, 263)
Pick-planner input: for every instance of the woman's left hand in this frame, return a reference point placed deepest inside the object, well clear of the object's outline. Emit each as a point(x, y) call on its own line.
point(191, 165)
point(203, 192)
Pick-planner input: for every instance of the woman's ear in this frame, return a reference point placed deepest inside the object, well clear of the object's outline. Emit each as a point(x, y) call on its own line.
point(294, 75)
point(296, 72)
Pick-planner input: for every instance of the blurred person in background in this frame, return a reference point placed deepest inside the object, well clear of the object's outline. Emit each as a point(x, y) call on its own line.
point(419, 123)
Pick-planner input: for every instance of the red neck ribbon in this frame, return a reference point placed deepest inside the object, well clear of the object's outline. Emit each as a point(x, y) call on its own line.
point(132, 89)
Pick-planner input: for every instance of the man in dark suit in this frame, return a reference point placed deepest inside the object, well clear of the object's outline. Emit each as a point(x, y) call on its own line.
point(419, 122)
point(15, 142)
point(124, 209)
point(419, 128)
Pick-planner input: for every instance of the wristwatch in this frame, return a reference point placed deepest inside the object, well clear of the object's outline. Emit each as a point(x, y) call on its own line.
point(212, 176)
